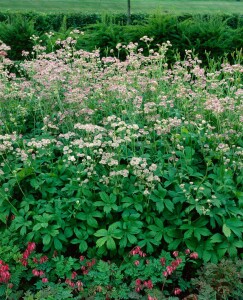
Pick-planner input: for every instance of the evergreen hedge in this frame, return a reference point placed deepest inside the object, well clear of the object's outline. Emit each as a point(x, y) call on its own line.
point(219, 35)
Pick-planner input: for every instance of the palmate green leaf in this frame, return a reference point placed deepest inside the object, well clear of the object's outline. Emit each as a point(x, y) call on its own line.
point(116, 233)
point(201, 222)
point(104, 197)
point(114, 226)
point(132, 238)
point(75, 241)
point(226, 230)
point(127, 201)
point(239, 195)
point(206, 255)
point(57, 244)
point(19, 221)
point(235, 211)
point(23, 230)
point(101, 232)
point(232, 250)
point(174, 244)
point(24, 172)
point(51, 190)
point(111, 245)
point(99, 203)
point(36, 183)
point(130, 214)
point(191, 243)
point(53, 232)
point(123, 242)
point(167, 238)
point(149, 247)
point(238, 244)
point(235, 225)
point(148, 240)
point(188, 233)
point(100, 242)
point(107, 208)
point(81, 216)
point(158, 197)
point(138, 207)
point(86, 192)
point(214, 257)
point(83, 246)
point(160, 205)
point(154, 229)
point(157, 230)
point(169, 205)
point(221, 252)
point(201, 231)
point(68, 232)
point(38, 226)
point(189, 152)
point(96, 214)
point(45, 218)
point(173, 232)
point(186, 226)
point(92, 222)
point(81, 233)
point(46, 239)
point(217, 238)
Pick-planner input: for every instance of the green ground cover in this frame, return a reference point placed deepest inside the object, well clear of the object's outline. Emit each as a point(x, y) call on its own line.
point(177, 6)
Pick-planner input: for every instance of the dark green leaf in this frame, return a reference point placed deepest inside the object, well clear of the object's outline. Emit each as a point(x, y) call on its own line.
point(46, 239)
point(111, 245)
point(57, 244)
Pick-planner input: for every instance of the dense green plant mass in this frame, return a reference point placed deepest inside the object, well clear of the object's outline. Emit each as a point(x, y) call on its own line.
point(17, 34)
point(220, 281)
point(138, 276)
point(99, 155)
point(219, 35)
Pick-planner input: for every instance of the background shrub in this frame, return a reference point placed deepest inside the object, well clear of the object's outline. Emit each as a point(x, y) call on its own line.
point(16, 32)
point(218, 35)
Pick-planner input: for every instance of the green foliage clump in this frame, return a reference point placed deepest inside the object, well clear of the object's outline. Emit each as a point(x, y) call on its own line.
point(100, 155)
point(216, 34)
point(136, 277)
point(95, 167)
point(16, 33)
point(220, 281)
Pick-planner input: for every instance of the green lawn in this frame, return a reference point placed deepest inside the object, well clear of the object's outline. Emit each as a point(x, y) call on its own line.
point(175, 6)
